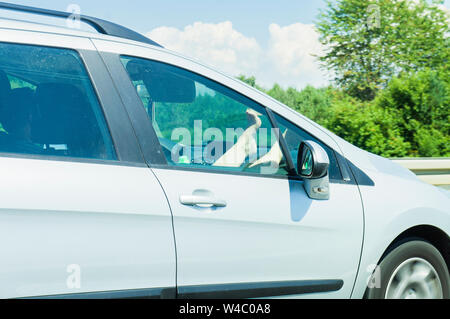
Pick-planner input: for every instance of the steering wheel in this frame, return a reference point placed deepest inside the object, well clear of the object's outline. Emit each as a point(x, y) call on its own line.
point(176, 149)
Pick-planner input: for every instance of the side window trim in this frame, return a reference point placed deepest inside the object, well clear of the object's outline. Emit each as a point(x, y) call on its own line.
point(145, 134)
point(345, 176)
point(221, 172)
point(121, 130)
point(83, 55)
point(292, 170)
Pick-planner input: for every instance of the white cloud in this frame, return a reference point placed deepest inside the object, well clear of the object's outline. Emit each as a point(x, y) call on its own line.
point(286, 58)
point(292, 50)
point(218, 45)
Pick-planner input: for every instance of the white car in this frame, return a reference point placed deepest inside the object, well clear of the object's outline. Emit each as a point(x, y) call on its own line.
point(129, 171)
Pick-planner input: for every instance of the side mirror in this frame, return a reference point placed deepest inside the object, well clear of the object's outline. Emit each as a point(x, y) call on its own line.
point(312, 166)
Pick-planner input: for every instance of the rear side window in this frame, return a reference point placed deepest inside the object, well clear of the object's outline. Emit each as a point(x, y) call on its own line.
point(48, 106)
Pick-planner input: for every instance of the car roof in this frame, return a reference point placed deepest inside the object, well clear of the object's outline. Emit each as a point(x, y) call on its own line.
point(16, 24)
point(73, 19)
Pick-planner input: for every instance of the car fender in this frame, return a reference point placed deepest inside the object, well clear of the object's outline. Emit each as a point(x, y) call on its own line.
point(393, 207)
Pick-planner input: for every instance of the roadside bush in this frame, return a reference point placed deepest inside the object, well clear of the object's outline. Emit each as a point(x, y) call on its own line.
point(369, 127)
point(432, 143)
point(316, 104)
point(422, 102)
point(363, 124)
point(409, 118)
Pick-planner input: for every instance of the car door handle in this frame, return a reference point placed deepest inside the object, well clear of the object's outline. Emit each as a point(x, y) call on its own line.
point(202, 201)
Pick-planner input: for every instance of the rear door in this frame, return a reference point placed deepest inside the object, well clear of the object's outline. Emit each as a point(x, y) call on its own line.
point(81, 215)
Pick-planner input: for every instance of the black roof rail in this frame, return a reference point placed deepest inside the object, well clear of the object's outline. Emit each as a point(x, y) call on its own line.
point(102, 26)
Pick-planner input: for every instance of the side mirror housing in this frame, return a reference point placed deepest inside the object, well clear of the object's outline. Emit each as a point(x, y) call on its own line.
point(312, 166)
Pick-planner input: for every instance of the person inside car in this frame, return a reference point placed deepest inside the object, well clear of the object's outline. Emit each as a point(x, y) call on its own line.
point(246, 145)
point(16, 117)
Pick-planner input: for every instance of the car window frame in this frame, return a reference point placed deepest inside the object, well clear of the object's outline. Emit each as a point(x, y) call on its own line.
point(342, 172)
point(290, 171)
point(141, 120)
point(123, 142)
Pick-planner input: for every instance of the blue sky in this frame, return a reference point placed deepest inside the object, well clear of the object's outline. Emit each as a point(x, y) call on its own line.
point(249, 16)
point(273, 40)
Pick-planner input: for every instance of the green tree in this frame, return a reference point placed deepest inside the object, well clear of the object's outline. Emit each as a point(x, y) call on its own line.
point(422, 103)
point(369, 127)
point(250, 81)
point(311, 102)
point(409, 117)
point(369, 41)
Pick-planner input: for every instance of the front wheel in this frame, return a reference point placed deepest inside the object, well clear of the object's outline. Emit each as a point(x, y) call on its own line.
point(413, 270)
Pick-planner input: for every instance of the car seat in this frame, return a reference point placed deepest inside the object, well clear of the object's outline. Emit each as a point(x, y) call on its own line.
point(65, 117)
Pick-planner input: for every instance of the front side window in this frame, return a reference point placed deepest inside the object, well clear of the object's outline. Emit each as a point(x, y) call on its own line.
point(48, 106)
point(202, 124)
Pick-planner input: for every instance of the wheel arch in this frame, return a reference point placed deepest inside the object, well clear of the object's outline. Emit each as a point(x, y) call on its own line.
point(432, 234)
point(374, 254)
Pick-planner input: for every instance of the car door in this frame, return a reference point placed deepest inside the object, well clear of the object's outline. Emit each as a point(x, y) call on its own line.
point(242, 230)
point(81, 215)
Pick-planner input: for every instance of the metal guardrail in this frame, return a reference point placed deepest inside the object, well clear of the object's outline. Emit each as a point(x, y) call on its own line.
point(435, 171)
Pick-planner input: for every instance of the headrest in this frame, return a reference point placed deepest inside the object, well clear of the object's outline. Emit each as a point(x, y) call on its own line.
point(5, 88)
point(17, 111)
point(62, 111)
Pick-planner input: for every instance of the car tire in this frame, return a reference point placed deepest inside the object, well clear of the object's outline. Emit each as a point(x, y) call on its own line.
point(414, 269)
